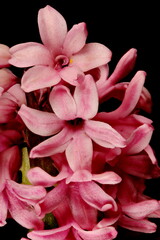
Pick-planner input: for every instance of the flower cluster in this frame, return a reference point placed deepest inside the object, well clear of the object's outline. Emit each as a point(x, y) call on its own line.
point(83, 167)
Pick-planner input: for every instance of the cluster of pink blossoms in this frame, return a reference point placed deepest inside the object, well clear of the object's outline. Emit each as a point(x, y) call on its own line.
point(83, 171)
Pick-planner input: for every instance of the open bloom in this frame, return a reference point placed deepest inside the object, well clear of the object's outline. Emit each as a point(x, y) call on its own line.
point(72, 125)
point(64, 55)
point(19, 200)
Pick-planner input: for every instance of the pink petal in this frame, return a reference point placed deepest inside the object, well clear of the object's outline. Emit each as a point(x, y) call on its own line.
point(107, 178)
point(107, 233)
point(29, 54)
point(140, 210)
point(39, 77)
point(7, 78)
point(63, 209)
point(86, 98)
point(28, 193)
point(52, 145)
point(9, 164)
point(4, 55)
point(75, 39)
point(151, 154)
point(139, 139)
point(58, 233)
point(80, 176)
point(91, 56)
point(38, 176)
point(21, 212)
point(131, 97)
point(8, 110)
point(124, 66)
point(52, 28)
point(145, 101)
point(63, 103)
point(142, 225)
point(39, 122)
point(16, 94)
point(3, 209)
point(79, 152)
point(71, 74)
point(54, 198)
point(103, 134)
point(83, 214)
point(139, 166)
point(96, 197)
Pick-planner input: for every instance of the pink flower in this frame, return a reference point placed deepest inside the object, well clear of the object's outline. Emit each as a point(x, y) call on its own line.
point(72, 211)
point(64, 55)
point(23, 203)
point(108, 86)
point(4, 56)
point(9, 165)
point(74, 232)
point(136, 207)
point(72, 125)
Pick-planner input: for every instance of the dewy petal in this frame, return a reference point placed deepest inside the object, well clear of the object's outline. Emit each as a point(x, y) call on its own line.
point(39, 77)
point(39, 122)
point(30, 54)
point(52, 28)
point(63, 103)
point(91, 56)
point(102, 132)
point(52, 145)
point(75, 39)
point(79, 152)
point(139, 139)
point(96, 197)
point(124, 66)
point(142, 225)
point(86, 98)
point(141, 210)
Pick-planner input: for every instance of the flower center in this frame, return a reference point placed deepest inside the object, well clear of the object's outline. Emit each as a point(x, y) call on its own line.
point(61, 61)
point(76, 122)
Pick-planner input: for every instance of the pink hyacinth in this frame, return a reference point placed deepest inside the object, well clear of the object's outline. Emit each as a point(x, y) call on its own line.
point(65, 56)
point(83, 166)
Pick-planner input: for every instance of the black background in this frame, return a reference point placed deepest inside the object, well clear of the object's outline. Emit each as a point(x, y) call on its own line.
point(120, 26)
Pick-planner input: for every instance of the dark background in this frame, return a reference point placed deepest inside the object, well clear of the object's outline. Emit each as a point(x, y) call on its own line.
point(116, 24)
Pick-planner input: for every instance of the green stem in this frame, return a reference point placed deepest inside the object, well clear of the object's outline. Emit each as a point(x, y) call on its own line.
point(25, 166)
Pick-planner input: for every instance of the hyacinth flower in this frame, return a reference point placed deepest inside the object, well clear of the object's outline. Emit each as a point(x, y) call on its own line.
point(72, 119)
point(86, 168)
point(65, 56)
